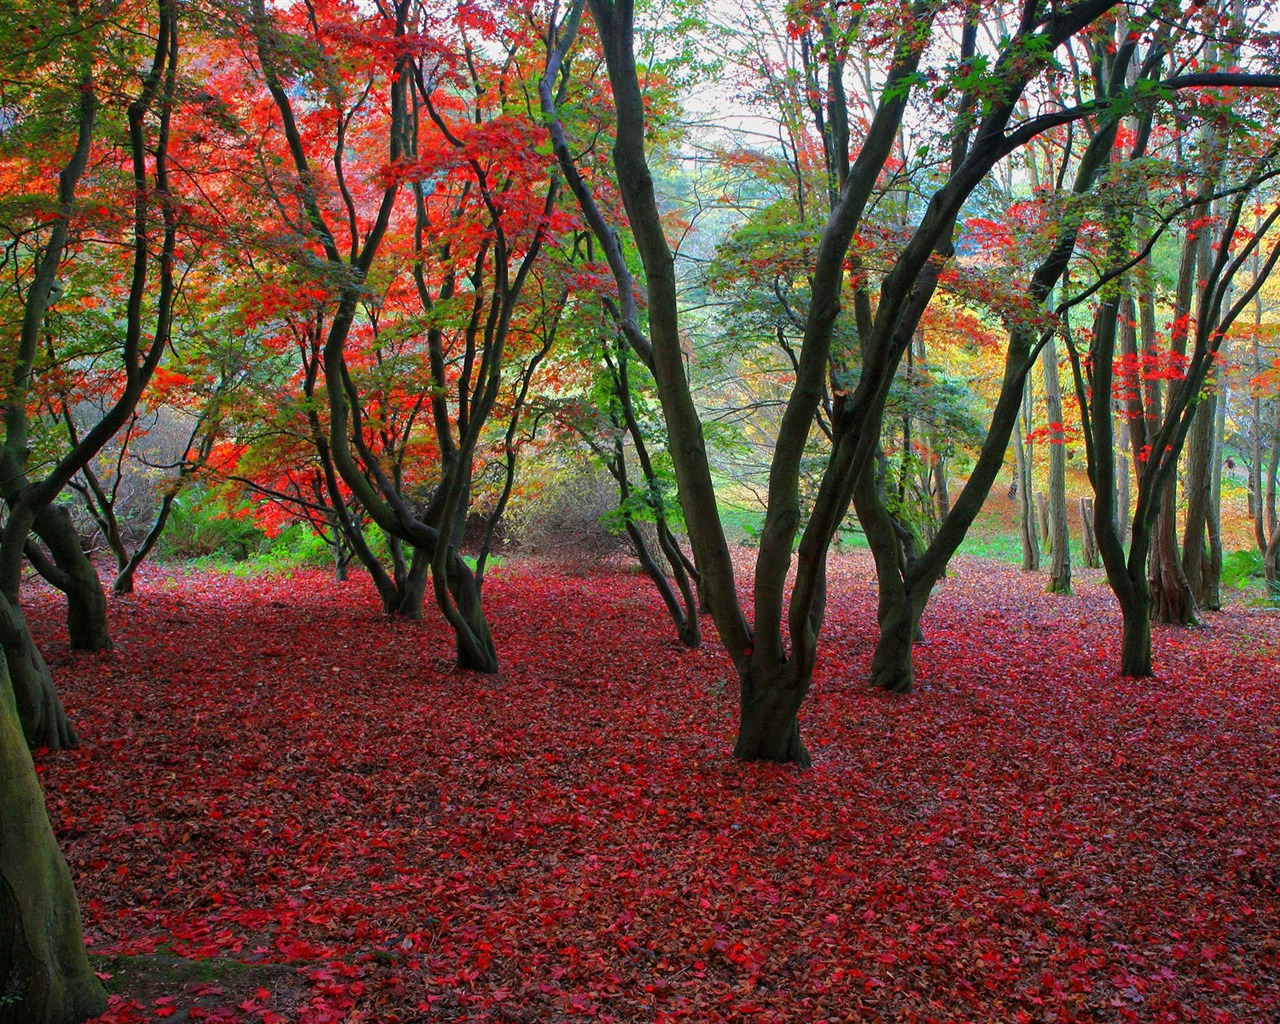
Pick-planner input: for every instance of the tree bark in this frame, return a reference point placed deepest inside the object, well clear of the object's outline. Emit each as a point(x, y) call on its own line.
point(39, 709)
point(45, 977)
point(1172, 601)
point(1026, 500)
point(1196, 556)
point(768, 729)
point(897, 613)
point(1089, 540)
point(1059, 536)
point(1135, 639)
point(87, 627)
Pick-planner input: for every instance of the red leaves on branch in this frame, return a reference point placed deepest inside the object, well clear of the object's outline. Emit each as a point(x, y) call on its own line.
point(283, 784)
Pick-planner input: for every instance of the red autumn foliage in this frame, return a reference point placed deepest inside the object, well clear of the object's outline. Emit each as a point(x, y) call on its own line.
point(285, 784)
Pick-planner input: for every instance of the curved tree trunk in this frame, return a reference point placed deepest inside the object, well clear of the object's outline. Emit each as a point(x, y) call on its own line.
point(44, 720)
point(86, 601)
point(411, 587)
point(124, 579)
point(458, 598)
point(45, 977)
point(1271, 564)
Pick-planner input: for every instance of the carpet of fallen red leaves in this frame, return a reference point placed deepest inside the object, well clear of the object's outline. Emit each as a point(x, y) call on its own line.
point(289, 807)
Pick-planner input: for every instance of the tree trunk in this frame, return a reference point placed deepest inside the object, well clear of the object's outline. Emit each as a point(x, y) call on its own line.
point(1026, 502)
point(45, 977)
point(458, 598)
point(1042, 522)
point(124, 580)
point(897, 615)
point(78, 579)
point(768, 728)
point(941, 487)
point(1089, 544)
point(1271, 564)
point(1059, 536)
point(1213, 567)
point(44, 720)
point(1196, 557)
point(1172, 602)
point(414, 589)
point(1135, 615)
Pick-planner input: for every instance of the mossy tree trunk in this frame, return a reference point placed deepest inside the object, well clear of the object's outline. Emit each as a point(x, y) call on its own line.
point(45, 977)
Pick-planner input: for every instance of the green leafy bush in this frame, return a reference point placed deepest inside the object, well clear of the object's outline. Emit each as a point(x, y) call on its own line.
point(1241, 568)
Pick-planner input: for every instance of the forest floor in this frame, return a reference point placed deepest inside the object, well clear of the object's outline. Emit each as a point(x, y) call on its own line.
point(289, 807)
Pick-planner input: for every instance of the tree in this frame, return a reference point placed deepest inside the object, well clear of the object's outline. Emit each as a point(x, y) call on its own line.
point(44, 973)
point(776, 674)
point(1206, 309)
point(28, 497)
point(482, 208)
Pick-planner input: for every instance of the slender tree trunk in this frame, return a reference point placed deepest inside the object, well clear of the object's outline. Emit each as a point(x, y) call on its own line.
point(1271, 564)
point(1026, 500)
point(1212, 592)
point(124, 580)
point(941, 487)
point(1124, 476)
point(1059, 536)
point(1042, 522)
point(45, 977)
point(1089, 539)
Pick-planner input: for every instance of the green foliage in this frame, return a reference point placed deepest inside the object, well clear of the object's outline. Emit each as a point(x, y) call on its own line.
point(201, 527)
point(1240, 569)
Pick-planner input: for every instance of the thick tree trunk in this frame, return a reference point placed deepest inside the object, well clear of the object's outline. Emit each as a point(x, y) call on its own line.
point(1135, 642)
point(898, 619)
point(1196, 556)
point(768, 729)
point(458, 597)
point(86, 601)
point(45, 977)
